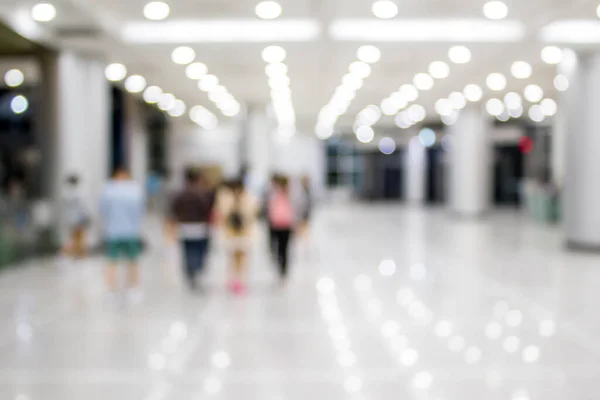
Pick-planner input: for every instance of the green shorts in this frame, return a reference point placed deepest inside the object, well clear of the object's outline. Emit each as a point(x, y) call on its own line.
point(129, 249)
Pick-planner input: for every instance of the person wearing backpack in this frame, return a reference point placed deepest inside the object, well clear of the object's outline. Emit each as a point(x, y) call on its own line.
point(238, 212)
point(281, 221)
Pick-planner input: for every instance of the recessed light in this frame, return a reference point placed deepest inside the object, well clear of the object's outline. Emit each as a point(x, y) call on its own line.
point(157, 10)
point(385, 9)
point(423, 81)
point(473, 92)
point(196, 70)
point(183, 55)
point(561, 83)
point(534, 93)
point(439, 70)
point(495, 10)
point(552, 55)
point(549, 107)
point(368, 54)
point(135, 84)
point(19, 104)
point(459, 54)
point(152, 94)
point(274, 54)
point(14, 78)
point(115, 72)
point(496, 82)
point(494, 107)
point(521, 70)
point(268, 10)
point(43, 12)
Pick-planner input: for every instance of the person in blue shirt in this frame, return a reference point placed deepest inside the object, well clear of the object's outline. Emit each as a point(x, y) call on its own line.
point(122, 211)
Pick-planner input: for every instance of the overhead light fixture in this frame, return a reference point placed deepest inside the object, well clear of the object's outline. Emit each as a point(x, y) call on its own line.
point(19, 104)
point(368, 54)
point(417, 112)
point(521, 70)
point(178, 109)
point(458, 100)
point(439, 70)
point(365, 134)
point(423, 81)
point(389, 107)
point(536, 113)
point(473, 93)
point(459, 54)
point(387, 145)
point(43, 12)
point(183, 55)
point(513, 100)
point(360, 69)
point(495, 10)
point(208, 83)
point(561, 83)
point(494, 107)
point(152, 94)
point(196, 70)
point(274, 54)
point(577, 31)
point(409, 92)
point(268, 10)
point(427, 30)
point(156, 10)
point(496, 82)
point(552, 55)
point(14, 78)
point(385, 9)
point(135, 84)
point(115, 72)
point(549, 107)
point(166, 102)
point(451, 119)
point(443, 107)
point(533, 93)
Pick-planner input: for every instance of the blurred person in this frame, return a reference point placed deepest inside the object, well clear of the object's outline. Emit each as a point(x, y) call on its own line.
point(77, 218)
point(238, 212)
point(305, 207)
point(192, 212)
point(122, 210)
point(270, 190)
point(281, 215)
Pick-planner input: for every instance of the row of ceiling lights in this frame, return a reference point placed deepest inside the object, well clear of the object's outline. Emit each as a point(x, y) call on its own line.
point(344, 94)
point(269, 9)
point(281, 94)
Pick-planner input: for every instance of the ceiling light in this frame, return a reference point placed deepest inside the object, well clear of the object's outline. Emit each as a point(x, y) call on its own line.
point(496, 82)
point(360, 69)
point(167, 100)
point(458, 100)
point(135, 84)
point(417, 112)
point(352, 82)
point(156, 10)
point(365, 134)
point(516, 112)
point(115, 72)
point(268, 10)
point(183, 55)
point(443, 107)
point(274, 54)
point(533, 93)
point(196, 70)
point(505, 116)
point(451, 119)
point(402, 121)
point(549, 107)
point(513, 100)
point(14, 78)
point(385, 9)
point(459, 54)
point(409, 92)
point(495, 10)
point(427, 137)
point(324, 132)
point(208, 83)
point(494, 107)
point(19, 104)
point(536, 113)
point(473, 92)
point(389, 107)
point(178, 109)
point(399, 100)
point(276, 69)
point(369, 54)
point(521, 70)
point(152, 94)
point(43, 12)
point(439, 70)
point(387, 145)
point(232, 110)
point(423, 81)
point(552, 55)
point(561, 83)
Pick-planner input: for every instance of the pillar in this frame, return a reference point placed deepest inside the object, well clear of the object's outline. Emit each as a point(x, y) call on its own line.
point(415, 169)
point(77, 107)
point(259, 149)
point(469, 168)
point(582, 163)
point(137, 135)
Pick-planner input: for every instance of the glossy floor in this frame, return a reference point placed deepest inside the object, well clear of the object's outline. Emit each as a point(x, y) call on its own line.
point(389, 303)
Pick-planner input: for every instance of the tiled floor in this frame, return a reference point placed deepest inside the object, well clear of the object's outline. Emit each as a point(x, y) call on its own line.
point(391, 303)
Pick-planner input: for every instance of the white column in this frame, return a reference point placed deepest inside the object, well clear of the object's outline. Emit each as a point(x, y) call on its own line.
point(470, 172)
point(259, 149)
point(137, 137)
point(581, 104)
point(82, 104)
point(415, 167)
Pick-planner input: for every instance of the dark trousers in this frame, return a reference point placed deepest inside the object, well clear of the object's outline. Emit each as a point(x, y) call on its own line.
point(194, 254)
point(280, 242)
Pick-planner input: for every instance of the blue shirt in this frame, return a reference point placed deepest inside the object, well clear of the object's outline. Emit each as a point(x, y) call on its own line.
point(122, 209)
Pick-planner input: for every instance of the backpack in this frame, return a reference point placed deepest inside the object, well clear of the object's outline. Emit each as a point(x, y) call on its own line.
point(281, 212)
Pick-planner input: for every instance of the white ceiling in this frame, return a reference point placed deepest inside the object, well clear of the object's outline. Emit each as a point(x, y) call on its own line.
point(315, 67)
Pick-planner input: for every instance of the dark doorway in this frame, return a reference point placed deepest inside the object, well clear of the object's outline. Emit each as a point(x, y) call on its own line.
point(508, 174)
point(383, 176)
point(436, 175)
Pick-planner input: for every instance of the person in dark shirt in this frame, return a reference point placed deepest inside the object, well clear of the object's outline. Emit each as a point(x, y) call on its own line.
point(191, 211)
